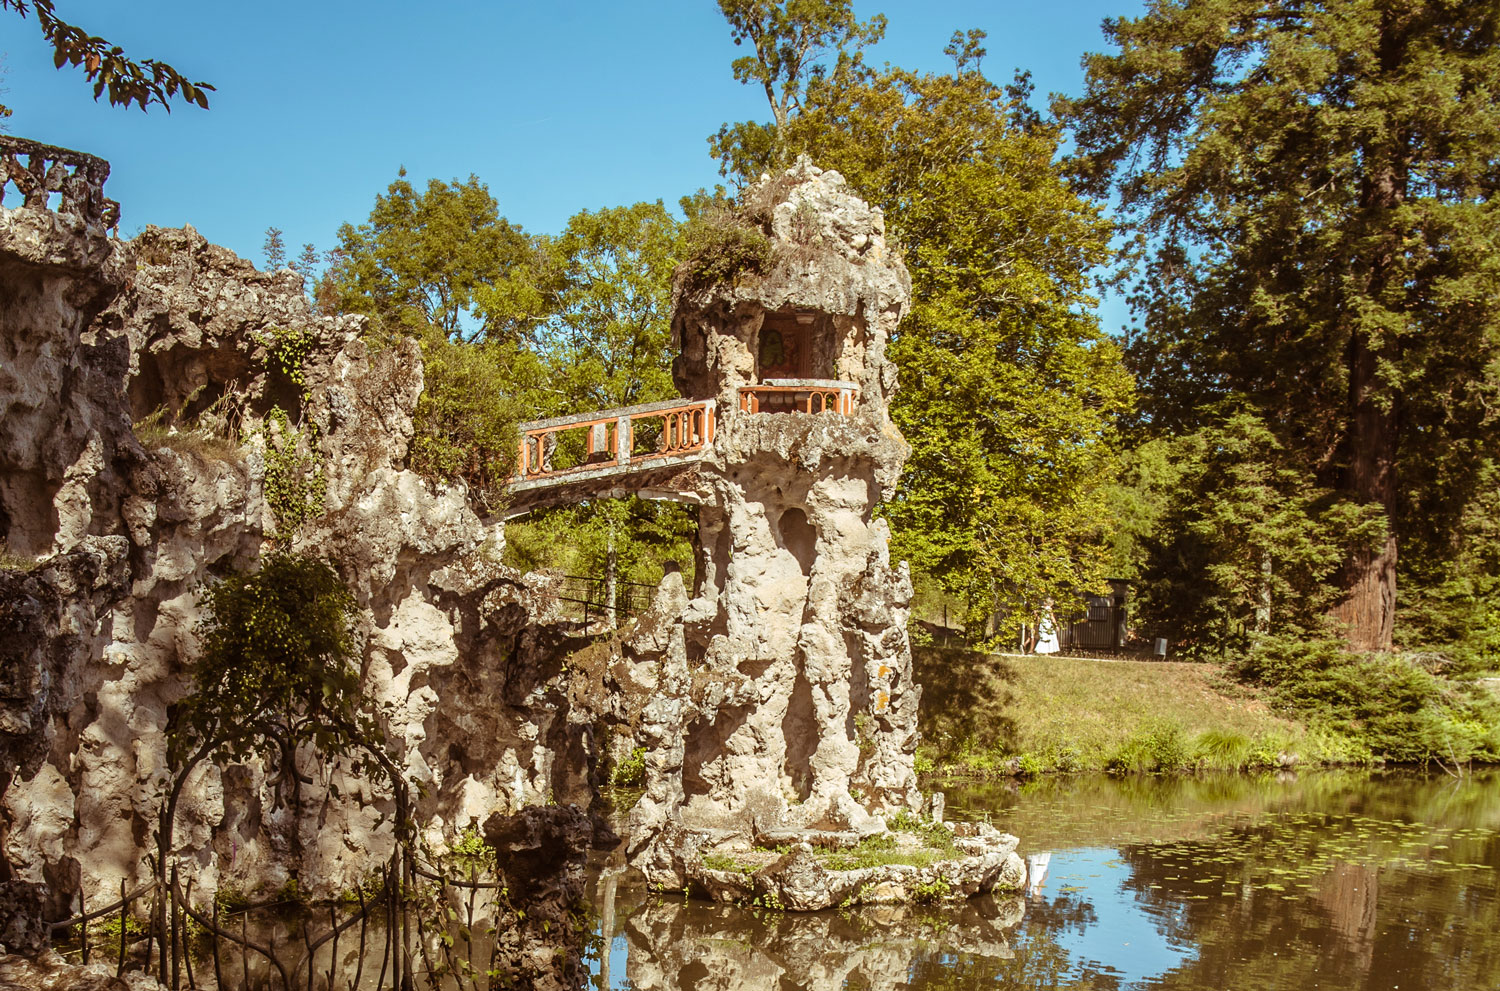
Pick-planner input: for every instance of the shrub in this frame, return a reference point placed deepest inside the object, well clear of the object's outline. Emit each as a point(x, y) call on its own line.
point(1222, 749)
point(465, 423)
point(630, 772)
point(721, 247)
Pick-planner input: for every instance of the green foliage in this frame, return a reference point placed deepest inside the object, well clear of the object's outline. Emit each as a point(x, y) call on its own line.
point(791, 39)
point(646, 536)
point(1158, 746)
point(884, 849)
point(932, 891)
point(277, 671)
point(1314, 192)
point(471, 854)
point(287, 350)
point(465, 424)
point(1232, 542)
point(295, 483)
point(721, 247)
point(128, 82)
point(1009, 391)
point(610, 341)
point(630, 772)
point(724, 862)
point(1392, 706)
point(445, 259)
point(274, 249)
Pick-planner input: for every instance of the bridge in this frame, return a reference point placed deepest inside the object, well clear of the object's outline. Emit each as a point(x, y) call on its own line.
point(652, 449)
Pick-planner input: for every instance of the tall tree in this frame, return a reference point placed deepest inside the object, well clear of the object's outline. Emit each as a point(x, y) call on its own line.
point(274, 248)
point(1316, 183)
point(610, 339)
point(793, 39)
point(444, 259)
point(444, 267)
point(609, 345)
point(1009, 392)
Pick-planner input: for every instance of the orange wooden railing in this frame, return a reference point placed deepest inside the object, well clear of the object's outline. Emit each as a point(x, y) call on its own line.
point(610, 438)
point(800, 396)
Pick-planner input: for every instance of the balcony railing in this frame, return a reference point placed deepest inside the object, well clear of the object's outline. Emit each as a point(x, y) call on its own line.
point(800, 396)
point(74, 179)
point(615, 437)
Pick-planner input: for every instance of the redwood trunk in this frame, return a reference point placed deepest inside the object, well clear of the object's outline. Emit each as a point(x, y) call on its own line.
point(1368, 608)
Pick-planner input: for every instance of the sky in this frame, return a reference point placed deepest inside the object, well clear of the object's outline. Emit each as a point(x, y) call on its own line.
point(558, 107)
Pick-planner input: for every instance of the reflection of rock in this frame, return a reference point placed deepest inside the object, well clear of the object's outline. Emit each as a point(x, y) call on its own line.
point(50, 972)
point(683, 945)
point(542, 853)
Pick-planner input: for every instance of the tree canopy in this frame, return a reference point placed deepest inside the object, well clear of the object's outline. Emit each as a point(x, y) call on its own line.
point(1009, 391)
point(1315, 184)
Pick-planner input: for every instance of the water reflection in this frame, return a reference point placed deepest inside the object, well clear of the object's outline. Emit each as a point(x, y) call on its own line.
point(1330, 880)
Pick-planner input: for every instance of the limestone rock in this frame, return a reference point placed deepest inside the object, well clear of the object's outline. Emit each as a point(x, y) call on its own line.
point(98, 335)
point(49, 972)
point(800, 704)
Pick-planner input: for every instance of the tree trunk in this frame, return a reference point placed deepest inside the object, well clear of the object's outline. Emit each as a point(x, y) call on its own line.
point(1368, 607)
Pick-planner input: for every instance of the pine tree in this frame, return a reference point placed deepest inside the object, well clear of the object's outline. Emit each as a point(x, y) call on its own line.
point(274, 249)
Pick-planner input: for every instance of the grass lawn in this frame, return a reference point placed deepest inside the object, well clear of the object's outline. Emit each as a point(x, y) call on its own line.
point(980, 710)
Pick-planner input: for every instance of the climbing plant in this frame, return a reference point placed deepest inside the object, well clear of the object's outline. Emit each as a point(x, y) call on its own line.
point(296, 479)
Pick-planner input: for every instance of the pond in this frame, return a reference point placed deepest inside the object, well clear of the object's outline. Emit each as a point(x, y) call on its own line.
point(1329, 880)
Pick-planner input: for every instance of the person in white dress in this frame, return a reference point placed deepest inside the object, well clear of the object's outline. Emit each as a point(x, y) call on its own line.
point(1046, 631)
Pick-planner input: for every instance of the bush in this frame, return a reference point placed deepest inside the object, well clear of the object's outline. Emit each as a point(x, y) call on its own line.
point(465, 424)
point(720, 247)
point(1385, 702)
point(630, 772)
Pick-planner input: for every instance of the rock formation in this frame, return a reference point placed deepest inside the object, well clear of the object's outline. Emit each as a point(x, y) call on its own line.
point(241, 390)
point(784, 697)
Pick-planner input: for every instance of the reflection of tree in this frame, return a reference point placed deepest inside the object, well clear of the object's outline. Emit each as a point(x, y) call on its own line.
point(1324, 894)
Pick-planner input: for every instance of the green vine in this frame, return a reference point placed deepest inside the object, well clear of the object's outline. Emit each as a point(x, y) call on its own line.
point(296, 479)
point(287, 350)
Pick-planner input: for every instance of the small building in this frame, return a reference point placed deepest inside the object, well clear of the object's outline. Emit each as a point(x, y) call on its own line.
point(1099, 625)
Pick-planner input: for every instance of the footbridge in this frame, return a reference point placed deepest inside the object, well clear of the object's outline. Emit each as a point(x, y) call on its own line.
point(651, 450)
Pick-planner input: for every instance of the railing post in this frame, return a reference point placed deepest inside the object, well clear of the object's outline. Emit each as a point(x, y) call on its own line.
point(622, 440)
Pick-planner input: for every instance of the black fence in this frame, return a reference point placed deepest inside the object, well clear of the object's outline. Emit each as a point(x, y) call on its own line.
point(589, 600)
point(418, 928)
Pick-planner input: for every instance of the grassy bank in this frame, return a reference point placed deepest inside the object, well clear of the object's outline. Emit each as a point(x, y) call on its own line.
point(1006, 714)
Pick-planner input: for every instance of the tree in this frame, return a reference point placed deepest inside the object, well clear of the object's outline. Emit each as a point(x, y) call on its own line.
point(127, 81)
point(1315, 184)
point(443, 259)
point(274, 249)
point(609, 343)
point(306, 265)
point(277, 674)
point(791, 39)
point(1009, 392)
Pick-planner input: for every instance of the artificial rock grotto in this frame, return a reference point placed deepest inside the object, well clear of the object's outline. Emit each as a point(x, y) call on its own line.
point(774, 696)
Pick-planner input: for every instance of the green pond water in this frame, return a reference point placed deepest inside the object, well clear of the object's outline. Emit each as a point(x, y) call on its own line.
point(1324, 880)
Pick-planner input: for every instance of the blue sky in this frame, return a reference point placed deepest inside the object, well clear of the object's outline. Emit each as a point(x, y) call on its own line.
point(558, 107)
